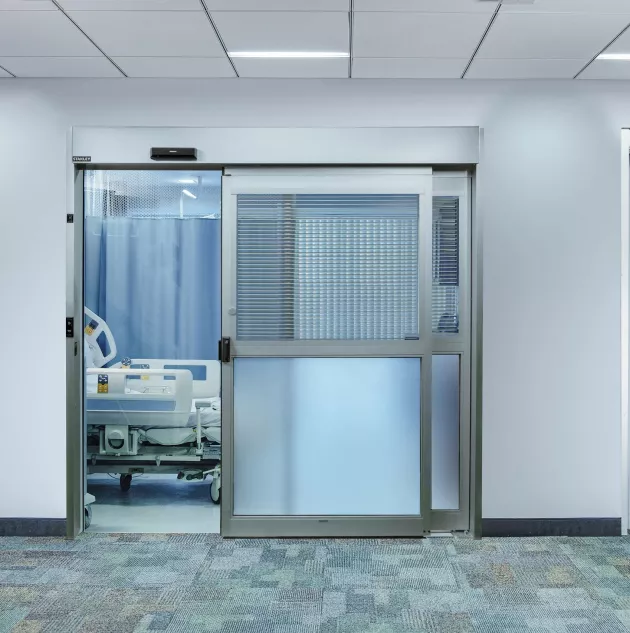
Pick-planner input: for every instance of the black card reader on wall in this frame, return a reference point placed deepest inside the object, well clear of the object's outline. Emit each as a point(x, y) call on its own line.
point(173, 153)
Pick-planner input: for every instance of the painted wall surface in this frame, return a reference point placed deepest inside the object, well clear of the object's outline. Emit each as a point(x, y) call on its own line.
point(551, 203)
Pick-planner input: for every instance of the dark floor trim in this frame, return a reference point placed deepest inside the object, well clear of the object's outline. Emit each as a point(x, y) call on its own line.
point(551, 527)
point(32, 527)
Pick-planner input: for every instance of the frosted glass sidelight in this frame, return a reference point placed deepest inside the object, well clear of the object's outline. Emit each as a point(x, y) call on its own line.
point(326, 436)
point(445, 432)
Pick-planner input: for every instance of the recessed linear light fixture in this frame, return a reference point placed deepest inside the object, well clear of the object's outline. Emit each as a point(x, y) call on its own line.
point(288, 54)
point(187, 181)
point(622, 57)
point(190, 195)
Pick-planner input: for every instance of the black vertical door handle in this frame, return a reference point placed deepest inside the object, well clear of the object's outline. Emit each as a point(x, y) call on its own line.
point(224, 349)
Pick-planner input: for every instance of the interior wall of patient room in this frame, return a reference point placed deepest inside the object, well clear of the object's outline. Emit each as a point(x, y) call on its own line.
point(550, 196)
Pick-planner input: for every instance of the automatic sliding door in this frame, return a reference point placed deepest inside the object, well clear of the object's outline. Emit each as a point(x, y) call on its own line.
point(327, 391)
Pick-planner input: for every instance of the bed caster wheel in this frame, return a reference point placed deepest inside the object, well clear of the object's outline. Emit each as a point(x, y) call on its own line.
point(125, 482)
point(215, 492)
point(87, 517)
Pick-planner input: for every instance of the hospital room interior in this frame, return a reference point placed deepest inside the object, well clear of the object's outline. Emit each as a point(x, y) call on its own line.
point(152, 288)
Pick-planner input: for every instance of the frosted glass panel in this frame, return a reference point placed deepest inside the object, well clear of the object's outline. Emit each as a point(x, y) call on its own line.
point(445, 432)
point(326, 436)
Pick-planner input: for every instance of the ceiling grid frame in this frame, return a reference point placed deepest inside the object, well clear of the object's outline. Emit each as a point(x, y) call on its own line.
point(603, 49)
point(109, 59)
point(350, 37)
point(494, 56)
point(483, 37)
point(6, 70)
point(216, 31)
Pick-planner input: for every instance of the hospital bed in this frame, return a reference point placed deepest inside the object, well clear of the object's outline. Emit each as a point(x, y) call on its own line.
point(150, 416)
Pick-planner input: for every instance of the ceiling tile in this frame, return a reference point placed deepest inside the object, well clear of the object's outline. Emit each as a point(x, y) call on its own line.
point(42, 33)
point(407, 68)
point(622, 45)
point(607, 69)
point(566, 6)
point(130, 5)
point(151, 33)
point(175, 66)
point(525, 68)
point(427, 6)
point(4, 74)
point(27, 5)
point(60, 66)
point(278, 5)
point(550, 35)
point(293, 68)
point(444, 35)
point(283, 31)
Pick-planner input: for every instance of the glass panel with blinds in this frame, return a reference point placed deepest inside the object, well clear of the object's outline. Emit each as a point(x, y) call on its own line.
point(327, 267)
point(445, 292)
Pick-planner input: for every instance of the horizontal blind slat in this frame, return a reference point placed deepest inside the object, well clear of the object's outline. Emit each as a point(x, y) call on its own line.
point(445, 291)
point(327, 267)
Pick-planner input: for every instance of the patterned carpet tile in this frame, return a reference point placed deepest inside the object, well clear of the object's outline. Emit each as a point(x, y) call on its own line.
point(134, 583)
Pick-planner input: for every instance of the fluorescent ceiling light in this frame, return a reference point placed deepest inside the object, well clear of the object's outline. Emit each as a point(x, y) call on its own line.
point(624, 57)
point(287, 54)
point(190, 195)
point(188, 181)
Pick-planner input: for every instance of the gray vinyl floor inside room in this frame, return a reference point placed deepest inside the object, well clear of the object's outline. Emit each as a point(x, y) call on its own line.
point(197, 583)
point(153, 504)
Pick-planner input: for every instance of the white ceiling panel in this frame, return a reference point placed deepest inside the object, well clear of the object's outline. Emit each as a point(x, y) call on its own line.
point(566, 6)
point(453, 36)
point(42, 33)
point(60, 66)
point(407, 68)
point(151, 33)
point(622, 45)
point(4, 74)
point(175, 66)
point(278, 5)
point(525, 68)
point(293, 68)
point(550, 35)
point(427, 6)
point(130, 5)
point(607, 69)
point(283, 31)
point(27, 5)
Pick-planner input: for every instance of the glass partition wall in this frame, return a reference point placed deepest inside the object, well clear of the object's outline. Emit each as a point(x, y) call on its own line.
point(345, 352)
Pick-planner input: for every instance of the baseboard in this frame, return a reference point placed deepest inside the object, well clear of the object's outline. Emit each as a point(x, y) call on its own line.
point(551, 527)
point(32, 527)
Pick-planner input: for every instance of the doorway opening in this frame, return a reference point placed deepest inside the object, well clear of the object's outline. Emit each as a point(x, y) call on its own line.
point(151, 322)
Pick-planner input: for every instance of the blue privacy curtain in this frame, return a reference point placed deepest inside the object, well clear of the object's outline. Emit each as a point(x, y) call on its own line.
point(156, 281)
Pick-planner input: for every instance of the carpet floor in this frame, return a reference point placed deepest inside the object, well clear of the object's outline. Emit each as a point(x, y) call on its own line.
point(128, 583)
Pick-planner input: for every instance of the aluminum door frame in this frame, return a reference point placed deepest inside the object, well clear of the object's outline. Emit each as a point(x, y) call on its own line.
point(74, 279)
point(325, 180)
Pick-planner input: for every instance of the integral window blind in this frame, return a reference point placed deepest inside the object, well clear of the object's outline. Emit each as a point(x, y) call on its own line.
point(445, 292)
point(327, 267)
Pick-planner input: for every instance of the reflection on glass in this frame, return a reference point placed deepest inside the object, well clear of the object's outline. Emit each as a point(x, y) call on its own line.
point(445, 432)
point(319, 436)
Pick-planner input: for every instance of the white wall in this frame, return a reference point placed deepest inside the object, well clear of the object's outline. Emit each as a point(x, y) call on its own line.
point(551, 198)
